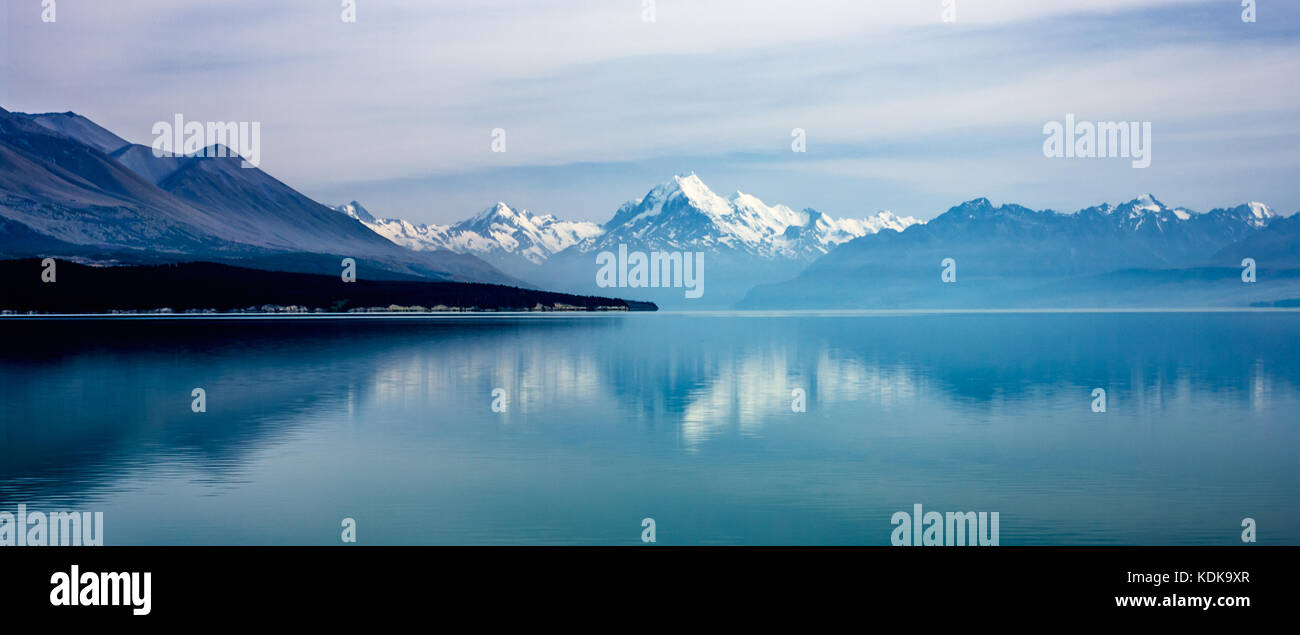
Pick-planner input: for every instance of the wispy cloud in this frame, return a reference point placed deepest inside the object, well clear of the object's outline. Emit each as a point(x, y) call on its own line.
point(902, 110)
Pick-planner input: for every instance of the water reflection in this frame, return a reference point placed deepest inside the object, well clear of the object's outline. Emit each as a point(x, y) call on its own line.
point(613, 416)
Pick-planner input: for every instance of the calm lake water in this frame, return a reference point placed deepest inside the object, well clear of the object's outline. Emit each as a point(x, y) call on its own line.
point(684, 418)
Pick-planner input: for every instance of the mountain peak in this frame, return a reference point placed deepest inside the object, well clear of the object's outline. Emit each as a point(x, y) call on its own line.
point(974, 206)
point(1260, 210)
point(1146, 202)
point(688, 184)
point(357, 211)
point(689, 180)
point(1254, 213)
point(699, 194)
point(687, 187)
point(499, 211)
point(79, 128)
point(684, 213)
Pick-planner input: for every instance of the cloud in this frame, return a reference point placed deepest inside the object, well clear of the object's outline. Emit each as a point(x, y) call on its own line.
point(415, 89)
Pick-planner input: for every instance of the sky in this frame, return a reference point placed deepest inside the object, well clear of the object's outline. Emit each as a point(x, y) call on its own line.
point(902, 110)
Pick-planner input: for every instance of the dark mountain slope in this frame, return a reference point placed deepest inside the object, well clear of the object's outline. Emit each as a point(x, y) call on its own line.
point(58, 182)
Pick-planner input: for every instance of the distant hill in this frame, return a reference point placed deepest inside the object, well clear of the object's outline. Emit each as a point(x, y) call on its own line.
point(204, 286)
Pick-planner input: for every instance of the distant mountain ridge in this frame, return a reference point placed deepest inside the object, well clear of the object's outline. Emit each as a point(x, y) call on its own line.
point(514, 240)
point(1010, 255)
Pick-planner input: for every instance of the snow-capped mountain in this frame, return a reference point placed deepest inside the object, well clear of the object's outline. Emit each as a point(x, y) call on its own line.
point(355, 210)
point(506, 229)
point(414, 236)
point(512, 238)
point(680, 214)
point(744, 241)
point(684, 214)
point(748, 240)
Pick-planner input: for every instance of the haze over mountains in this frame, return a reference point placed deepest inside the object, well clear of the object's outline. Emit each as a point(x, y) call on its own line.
point(69, 188)
point(1141, 253)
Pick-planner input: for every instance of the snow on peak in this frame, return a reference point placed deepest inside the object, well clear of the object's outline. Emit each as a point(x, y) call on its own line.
point(1260, 210)
point(700, 219)
point(1149, 204)
point(506, 229)
point(498, 229)
point(499, 209)
point(700, 196)
point(357, 211)
point(1255, 213)
point(419, 237)
point(681, 213)
point(1144, 203)
point(692, 186)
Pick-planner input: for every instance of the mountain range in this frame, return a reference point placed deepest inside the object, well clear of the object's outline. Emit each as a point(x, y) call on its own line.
point(1141, 253)
point(745, 239)
point(70, 188)
point(513, 240)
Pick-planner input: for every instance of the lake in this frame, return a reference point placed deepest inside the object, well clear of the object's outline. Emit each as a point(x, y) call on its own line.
point(685, 418)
